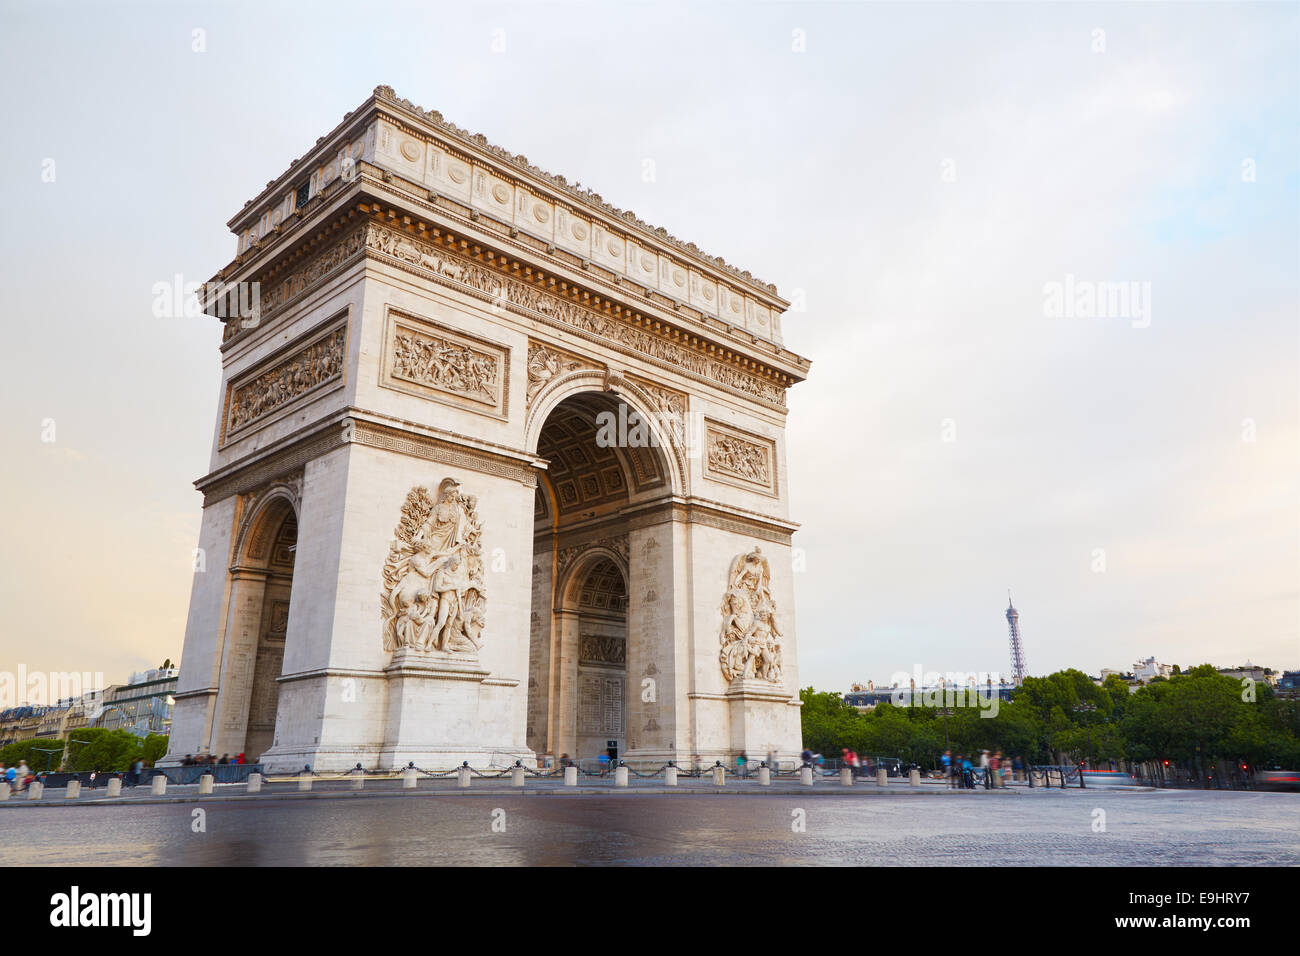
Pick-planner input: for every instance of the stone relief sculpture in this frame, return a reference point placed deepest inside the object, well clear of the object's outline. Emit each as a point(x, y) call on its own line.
point(544, 365)
point(738, 457)
point(447, 365)
point(751, 640)
point(302, 279)
point(521, 295)
point(314, 365)
point(670, 406)
point(602, 649)
point(434, 598)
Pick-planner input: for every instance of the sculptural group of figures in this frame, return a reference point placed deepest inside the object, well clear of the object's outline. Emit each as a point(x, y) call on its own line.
point(738, 457)
point(315, 364)
point(751, 640)
point(434, 598)
point(444, 364)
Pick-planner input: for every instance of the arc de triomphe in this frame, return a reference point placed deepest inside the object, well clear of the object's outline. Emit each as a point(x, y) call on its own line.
point(498, 471)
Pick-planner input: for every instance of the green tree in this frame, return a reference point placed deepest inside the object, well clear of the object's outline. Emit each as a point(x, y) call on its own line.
point(106, 751)
point(35, 752)
point(154, 748)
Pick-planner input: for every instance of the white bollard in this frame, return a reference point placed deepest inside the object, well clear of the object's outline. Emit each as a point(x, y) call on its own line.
point(4, 791)
point(358, 779)
point(254, 783)
point(35, 789)
point(516, 776)
point(158, 786)
point(882, 778)
point(806, 776)
point(462, 777)
point(620, 776)
point(570, 776)
point(719, 777)
point(765, 776)
point(304, 781)
point(205, 784)
point(73, 790)
point(846, 776)
point(670, 776)
point(914, 777)
point(409, 779)
point(115, 787)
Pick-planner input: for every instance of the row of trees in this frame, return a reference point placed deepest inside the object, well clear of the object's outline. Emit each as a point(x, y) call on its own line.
point(91, 748)
point(1065, 717)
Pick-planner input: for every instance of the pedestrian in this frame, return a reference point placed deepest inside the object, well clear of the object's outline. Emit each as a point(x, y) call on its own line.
point(995, 766)
point(11, 774)
point(945, 761)
point(772, 761)
point(967, 774)
point(23, 774)
point(955, 780)
point(740, 764)
point(985, 768)
point(604, 763)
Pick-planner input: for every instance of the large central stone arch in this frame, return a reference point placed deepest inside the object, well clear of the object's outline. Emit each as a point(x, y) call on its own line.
point(606, 489)
point(597, 382)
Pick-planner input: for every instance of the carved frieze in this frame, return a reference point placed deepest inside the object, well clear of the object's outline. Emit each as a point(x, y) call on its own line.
point(507, 291)
point(601, 649)
point(739, 458)
point(306, 370)
point(434, 598)
point(316, 269)
point(751, 640)
point(430, 360)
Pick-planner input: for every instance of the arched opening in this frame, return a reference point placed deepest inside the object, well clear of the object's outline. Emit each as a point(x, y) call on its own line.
point(598, 598)
point(600, 466)
point(264, 585)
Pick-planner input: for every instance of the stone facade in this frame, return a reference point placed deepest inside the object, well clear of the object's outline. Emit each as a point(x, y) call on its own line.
point(491, 457)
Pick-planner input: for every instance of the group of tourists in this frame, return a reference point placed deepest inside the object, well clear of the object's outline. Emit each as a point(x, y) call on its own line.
point(19, 777)
point(860, 766)
point(988, 769)
point(210, 760)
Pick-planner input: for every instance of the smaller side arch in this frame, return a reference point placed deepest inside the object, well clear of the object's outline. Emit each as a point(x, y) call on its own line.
point(569, 583)
point(261, 522)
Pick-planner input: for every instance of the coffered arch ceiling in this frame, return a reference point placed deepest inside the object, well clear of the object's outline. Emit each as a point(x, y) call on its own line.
point(583, 479)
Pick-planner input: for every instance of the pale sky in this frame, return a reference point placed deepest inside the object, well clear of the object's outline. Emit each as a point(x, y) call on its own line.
point(918, 173)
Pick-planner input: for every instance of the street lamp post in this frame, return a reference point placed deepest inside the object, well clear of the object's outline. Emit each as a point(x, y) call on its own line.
point(1087, 708)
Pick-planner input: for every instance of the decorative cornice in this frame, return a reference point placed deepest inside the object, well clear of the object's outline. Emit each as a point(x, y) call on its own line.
point(354, 425)
point(443, 452)
point(562, 304)
point(586, 197)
